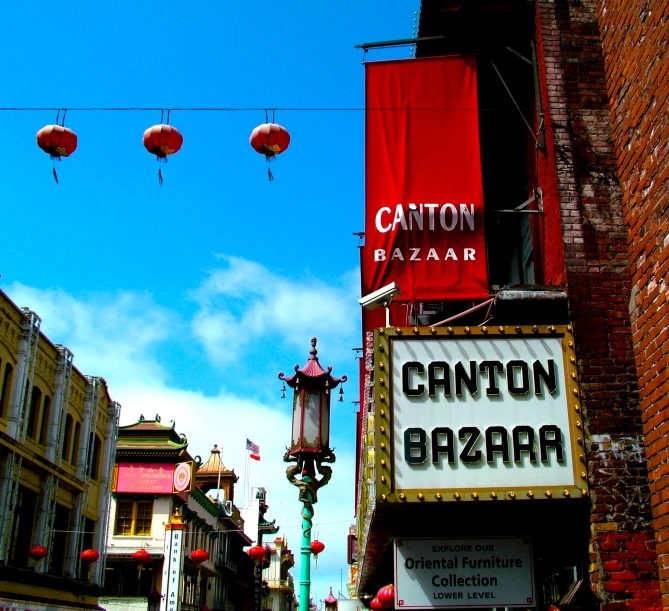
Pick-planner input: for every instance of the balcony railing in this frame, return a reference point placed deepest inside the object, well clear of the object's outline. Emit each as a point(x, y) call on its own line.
point(280, 583)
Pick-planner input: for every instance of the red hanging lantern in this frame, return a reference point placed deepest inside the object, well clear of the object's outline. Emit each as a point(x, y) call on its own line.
point(375, 604)
point(141, 556)
point(316, 548)
point(162, 141)
point(386, 596)
point(38, 552)
point(257, 553)
point(58, 141)
point(199, 556)
point(269, 139)
point(89, 556)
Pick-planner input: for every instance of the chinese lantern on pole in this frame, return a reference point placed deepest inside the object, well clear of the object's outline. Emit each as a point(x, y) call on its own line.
point(58, 141)
point(162, 141)
point(375, 604)
point(269, 139)
point(316, 548)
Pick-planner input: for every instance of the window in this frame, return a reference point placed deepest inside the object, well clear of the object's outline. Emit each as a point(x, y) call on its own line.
point(46, 415)
point(75, 445)
point(22, 527)
point(33, 412)
point(94, 465)
point(61, 527)
point(69, 421)
point(6, 391)
point(133, 518)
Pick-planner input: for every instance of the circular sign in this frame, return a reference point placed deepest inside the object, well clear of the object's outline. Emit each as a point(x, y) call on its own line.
point(182, 475)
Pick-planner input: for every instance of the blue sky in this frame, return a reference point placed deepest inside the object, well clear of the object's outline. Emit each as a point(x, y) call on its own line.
point(189, 298)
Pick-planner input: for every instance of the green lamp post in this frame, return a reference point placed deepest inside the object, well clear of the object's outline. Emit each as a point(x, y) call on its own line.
point(310, 448)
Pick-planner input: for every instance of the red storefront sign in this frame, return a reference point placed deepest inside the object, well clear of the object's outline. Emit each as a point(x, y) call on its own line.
point(423, 194)
point(156, 478)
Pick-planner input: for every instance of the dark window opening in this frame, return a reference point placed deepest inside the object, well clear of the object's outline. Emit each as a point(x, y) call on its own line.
point(33, 412)
point(23, 526)
point(94, 450)
point(46, 415)
point(74, 454)
point(59, 542)
point(6, 392)
point(69, 421)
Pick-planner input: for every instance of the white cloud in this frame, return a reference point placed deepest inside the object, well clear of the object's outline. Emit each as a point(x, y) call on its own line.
point(245, 301)
point(111, 335)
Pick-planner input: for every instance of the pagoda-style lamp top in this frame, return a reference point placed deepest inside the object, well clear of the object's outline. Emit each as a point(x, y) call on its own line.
point(311, 405)
point(330, 602)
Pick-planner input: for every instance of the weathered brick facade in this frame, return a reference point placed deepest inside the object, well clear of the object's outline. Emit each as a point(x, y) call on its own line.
point(579, 175)
point(634, 36)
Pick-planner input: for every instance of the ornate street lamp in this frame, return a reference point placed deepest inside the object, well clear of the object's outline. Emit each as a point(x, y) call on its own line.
point(310, 448)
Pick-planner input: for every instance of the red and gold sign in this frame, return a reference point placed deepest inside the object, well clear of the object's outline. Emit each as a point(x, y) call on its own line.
point(156, 478)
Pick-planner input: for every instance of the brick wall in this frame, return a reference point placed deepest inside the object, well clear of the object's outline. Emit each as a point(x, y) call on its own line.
point(635, 36)
point(585, 212)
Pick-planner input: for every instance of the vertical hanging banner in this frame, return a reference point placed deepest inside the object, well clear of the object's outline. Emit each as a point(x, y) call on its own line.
point(172, 565)
point(423, 193)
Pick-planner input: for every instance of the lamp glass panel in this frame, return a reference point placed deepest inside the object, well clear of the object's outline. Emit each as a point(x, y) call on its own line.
point(297, 417)
point(312, 416)
point(325, 421)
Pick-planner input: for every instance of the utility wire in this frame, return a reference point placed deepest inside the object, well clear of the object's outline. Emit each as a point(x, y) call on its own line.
point(224, 109)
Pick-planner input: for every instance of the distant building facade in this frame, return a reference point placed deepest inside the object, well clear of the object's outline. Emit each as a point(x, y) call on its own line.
point(58, 432)
point(158, 484)
point(280, 585)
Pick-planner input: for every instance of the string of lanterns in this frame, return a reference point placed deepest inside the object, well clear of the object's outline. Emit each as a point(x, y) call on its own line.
point(162, 140)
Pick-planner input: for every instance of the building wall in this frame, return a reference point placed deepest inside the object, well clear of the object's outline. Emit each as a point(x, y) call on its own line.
point(57, 437)
point(599, 285)
point(634, 39)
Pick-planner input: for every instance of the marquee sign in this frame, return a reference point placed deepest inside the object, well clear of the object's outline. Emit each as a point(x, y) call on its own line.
point(467, 572)
point(477, 414)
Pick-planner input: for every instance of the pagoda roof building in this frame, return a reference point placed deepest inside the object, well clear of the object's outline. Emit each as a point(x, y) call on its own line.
point(150, 438)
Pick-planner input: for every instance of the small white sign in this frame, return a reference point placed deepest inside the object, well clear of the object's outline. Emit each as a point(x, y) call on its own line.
point(172, 569)
point(467, 572)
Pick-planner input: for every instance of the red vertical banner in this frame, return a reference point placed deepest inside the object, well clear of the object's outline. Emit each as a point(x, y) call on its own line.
point(424, 223)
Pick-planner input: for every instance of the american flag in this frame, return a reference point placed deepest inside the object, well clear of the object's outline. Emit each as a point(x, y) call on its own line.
point(254, 448)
